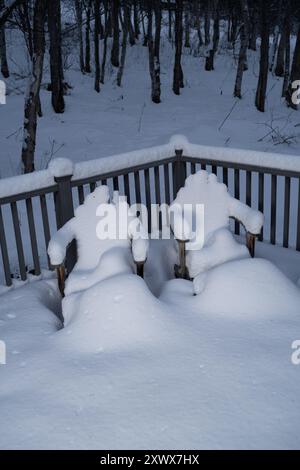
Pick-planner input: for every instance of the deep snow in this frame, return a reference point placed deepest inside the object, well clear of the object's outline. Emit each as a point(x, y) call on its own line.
point(134, 371)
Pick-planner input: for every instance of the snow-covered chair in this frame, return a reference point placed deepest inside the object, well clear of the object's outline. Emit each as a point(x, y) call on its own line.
point(99, 257)
point(216, 245)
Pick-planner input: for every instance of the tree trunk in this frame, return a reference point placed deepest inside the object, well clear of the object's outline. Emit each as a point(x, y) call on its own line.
point(115, 51)
point(136, 20)
point(207, 25)
point(78, 9)
point(274, 48)
point(56, 67)
point(170, 21)
point(187, 27)
point(264, 58)
point(106, 30)
point(243, 50)
point(3, 56)
point(32, 95)
point(126, 27)
point(178, 74)
point(87, 39)
point(209, 63)
point(279, 69)
point(287, 63)
point(198, 25)
point(253, 28)
point(154, 49)
point(295, 75)
point(96, 44)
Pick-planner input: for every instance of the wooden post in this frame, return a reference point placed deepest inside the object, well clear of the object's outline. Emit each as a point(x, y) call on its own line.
point(64, 212)
point(179, 174)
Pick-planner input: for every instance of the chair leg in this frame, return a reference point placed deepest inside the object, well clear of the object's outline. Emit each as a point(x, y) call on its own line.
point(250, 240)
point(181, 270)
point(61, 277)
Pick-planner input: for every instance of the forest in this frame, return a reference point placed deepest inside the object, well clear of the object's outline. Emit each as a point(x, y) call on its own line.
point(101, 31)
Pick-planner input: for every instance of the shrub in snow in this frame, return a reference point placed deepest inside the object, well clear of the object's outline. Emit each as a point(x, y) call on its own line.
point(218, 244)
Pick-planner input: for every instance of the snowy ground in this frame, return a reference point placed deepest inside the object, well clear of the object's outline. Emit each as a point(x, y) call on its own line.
point(124, 119)
point(141, 370)
point(136, 371)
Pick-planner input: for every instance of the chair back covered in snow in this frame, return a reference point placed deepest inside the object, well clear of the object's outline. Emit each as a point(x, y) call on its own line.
point(90, 247)
point(204, 188)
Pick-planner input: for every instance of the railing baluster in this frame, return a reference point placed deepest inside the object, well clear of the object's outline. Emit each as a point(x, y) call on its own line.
point(167, 184)
point(157, 185)
point(261, 198)
point(137, 185)
point(286, 223)
point(80, 194)
point(237, 196)
point(174, 179)
point(248, 188)
point(273, 208)
point(127, 187)
point(4, 251)
point(225, 175)
point(148, 197)
point(214, 169)
point(157, 194)
point(116, 183)
point(33, 240)
point(298, 219)
point(92, 187)
point(18, 237)
point(104, 182)
point(46, 227)
point(193, 168)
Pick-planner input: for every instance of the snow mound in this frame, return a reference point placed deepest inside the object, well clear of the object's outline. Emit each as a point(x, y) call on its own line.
point(245, 287)
point(117, 314)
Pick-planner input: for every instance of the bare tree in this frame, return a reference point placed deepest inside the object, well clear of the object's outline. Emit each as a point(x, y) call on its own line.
point(7, 11)
point(78, 10)
point(87, 66)
point(106, 33)
point(243, 49)
point(115, 51)
point(264, 57)
point(154, 48)
point(295, 73)
point(287, 63)
point(126, 26)
point(279, 69)
point(178, 73)
point(96, 44)
point(32, 94)
point(56, 66)
point(3, 56)
point(209, 63)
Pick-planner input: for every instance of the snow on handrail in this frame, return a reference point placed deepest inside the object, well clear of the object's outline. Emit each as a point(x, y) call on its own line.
point(42, 179)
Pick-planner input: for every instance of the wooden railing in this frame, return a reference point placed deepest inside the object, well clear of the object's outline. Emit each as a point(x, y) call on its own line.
point(27, 218)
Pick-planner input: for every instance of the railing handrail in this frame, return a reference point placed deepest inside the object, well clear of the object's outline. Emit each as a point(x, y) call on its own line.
point(17, 187)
